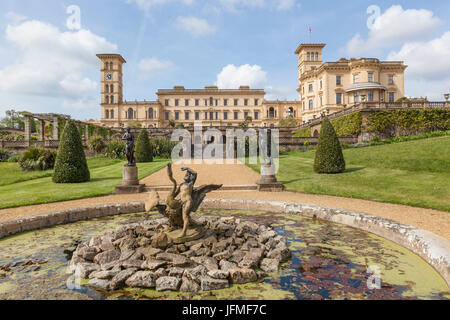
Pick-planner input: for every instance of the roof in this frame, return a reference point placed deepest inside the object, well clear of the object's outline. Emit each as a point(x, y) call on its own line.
point(309, 45)
point(365, 86)
point(111, 56)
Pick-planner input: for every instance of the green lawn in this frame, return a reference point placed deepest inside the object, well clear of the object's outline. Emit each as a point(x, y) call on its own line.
point(18, 188)
point(415, 173)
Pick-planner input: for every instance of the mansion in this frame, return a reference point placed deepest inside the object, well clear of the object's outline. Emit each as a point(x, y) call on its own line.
point(323, 88)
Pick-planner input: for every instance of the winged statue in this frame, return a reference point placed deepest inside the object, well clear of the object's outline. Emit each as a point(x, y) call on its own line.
point(182, 200)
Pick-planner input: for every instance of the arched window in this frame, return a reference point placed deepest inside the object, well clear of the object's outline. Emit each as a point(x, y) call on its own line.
point(107, 114)
point(271, 113)
point(110, 66)
point(112, 88)
point(107, 89)
point(112, 99)
point(150, 113)
point(107, 99)
point(111, 114)
point(317, 56)
point(211, 101)
point(308, 56)
point(130, 113)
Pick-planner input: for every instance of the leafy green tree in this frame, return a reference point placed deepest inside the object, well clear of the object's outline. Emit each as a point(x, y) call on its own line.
point(144, 150)
point(288, 123)
point(12, 120)
point(71, 165)
point(329, 157)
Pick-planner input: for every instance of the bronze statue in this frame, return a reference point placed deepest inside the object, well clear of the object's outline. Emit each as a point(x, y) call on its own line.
point(129, 148)
point(179, 210)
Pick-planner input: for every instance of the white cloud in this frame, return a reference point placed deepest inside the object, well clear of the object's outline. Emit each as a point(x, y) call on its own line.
point(394, 26)
point(195, 26)
point(428, 63)
point(285, 4)
point(281, 93)
point(15, 18)
point(50, 63)
point(232, 77)
point(150, 66)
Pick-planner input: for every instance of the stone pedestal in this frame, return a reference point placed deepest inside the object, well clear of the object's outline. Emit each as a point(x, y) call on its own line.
point(130, 181)
point(269, 182)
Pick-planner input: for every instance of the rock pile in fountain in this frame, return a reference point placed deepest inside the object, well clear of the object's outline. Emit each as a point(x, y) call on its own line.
point(141, 255)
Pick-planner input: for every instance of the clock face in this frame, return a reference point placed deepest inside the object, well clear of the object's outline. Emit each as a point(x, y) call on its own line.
point(109, 76)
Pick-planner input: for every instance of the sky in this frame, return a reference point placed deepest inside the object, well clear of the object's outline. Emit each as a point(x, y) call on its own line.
point(48, 48)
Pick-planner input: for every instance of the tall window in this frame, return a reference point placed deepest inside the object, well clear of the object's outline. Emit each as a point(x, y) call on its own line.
point(166, 102)
point(225, 102)
point(391, 79)
point(271, 113)
point(112, 88)
point(338, 98)
point(256, 115)
point(321, 84)
point(236, 102)
point(391, 97)
point(107, 99)
point(211, 101)
point(112, 99)
point(177, 116)
point(225, 115)
point(197, 116)
point(256, 102)
point(310, 87)
point(186, 102)
point(186, 115)
point(311, 104)
point(111, 114)
point(308, 56)
point(317, 56)
point(245, 115)
point(245, 102)
point(236, 115)
point(370, 95)
point(107, 114)
point(130, 113)
point(197, 102)
point(356, 97)
point(370, 76)
point(177, 102)
point(338, 80)
point(166, 116)
point(107, 89)
point(150, 113)
point(355, 78)
point(211, 116)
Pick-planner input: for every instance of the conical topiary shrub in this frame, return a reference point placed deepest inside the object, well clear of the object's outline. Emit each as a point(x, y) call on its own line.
point(71, 165)
point(144, 151)
point(329, 156)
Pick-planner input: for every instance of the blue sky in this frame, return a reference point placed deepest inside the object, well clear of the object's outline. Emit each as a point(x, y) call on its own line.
point(47, 67)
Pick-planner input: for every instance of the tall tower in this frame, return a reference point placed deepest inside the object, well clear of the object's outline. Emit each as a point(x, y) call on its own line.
point(111, 81)
point(309, 57)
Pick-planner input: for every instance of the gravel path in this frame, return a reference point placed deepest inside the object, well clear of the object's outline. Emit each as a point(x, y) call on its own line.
point(435, 221)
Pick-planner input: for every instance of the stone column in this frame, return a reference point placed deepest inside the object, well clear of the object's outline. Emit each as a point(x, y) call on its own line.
point(55, 129)
point(41, 129)
point(27, 129)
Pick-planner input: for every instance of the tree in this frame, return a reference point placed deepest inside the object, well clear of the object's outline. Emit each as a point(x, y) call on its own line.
point(144, 150)
point(246, 122)
point(71, 165)
point(288, 123)
point(13, 120)
point(329, 157)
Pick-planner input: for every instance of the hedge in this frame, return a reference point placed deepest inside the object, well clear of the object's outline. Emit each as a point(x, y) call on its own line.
point(329, 157)
point(408, 122)
point(144, 150)
point(349, 125)
point(71, 165)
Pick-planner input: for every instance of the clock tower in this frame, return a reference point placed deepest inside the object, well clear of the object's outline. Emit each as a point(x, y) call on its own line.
point(111, 80)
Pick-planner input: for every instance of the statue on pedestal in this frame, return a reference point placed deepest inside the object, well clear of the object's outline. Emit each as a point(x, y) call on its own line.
point(129, 148)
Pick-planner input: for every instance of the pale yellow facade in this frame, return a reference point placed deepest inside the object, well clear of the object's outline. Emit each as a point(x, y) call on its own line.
point(211, 106)
point(325, 88)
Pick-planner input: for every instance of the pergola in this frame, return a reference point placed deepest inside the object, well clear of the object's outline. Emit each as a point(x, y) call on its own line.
point(52, 118)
